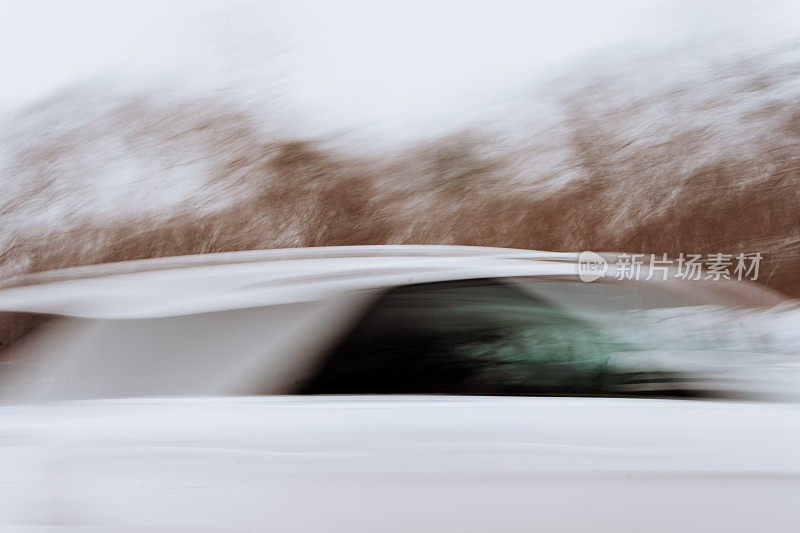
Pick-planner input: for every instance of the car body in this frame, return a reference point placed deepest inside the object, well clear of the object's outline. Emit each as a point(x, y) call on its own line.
point(395, 388)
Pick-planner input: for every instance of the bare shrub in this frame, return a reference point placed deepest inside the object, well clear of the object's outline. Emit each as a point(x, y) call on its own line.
point(705, 164)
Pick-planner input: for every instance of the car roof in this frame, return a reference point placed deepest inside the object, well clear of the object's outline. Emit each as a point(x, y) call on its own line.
point(182, 285)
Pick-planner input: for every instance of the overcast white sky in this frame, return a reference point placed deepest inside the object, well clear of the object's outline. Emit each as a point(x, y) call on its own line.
point(348, 63)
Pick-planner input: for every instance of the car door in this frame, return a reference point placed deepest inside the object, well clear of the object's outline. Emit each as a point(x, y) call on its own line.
point(400, 463)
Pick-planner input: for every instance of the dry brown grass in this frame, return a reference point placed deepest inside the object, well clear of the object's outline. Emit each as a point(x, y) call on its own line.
point(667, 170)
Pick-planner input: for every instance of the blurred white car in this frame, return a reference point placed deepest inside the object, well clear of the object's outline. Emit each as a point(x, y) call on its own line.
point(399, 388)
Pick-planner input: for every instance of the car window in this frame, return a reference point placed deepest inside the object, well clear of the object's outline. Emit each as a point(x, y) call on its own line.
point(539, 336)
point(478, 337)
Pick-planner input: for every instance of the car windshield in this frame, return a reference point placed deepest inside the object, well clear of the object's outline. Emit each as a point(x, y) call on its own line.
point(678, 316)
